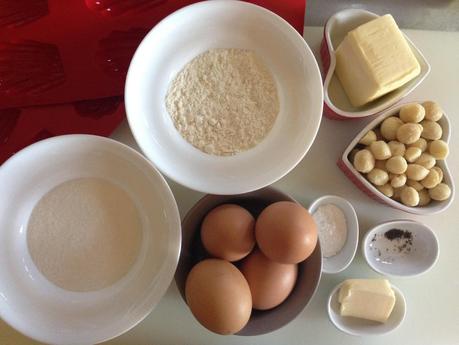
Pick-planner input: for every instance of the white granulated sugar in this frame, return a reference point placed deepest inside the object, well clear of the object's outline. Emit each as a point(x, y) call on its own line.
point(84, 234)
point(332, 229)
point(224, 101)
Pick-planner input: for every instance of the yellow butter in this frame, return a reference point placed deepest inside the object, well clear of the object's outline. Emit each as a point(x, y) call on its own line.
point(371, 299)
point(374, 59)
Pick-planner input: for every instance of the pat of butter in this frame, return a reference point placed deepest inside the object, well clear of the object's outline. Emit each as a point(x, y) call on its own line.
point(374, 59)
point(371, 299)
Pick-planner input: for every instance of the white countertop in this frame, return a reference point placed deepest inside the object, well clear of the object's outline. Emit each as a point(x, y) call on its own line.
point(432, 302)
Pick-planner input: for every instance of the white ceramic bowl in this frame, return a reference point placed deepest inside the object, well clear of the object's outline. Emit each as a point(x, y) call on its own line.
point(40, 309)
point(343, 259)
point(336, 103)
point(224, 24)
point(361, 327)
point(388, 258)
point(364, 185)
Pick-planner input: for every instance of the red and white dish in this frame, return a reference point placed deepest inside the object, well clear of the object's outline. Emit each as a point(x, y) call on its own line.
point(336, 103)
point(364, 185)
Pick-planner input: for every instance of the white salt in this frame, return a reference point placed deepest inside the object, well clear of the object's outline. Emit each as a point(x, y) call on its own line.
point(332, 229)
point(84, 234)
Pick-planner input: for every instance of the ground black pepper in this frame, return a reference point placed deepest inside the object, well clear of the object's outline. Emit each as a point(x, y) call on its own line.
point(397, 233)
point(403, 239)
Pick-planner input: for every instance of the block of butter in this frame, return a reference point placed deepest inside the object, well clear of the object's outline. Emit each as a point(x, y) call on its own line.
point(371, 299)
point(374, 59)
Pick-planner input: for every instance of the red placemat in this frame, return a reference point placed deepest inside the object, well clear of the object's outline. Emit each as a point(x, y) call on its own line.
point(20, 127)
point(59, 52)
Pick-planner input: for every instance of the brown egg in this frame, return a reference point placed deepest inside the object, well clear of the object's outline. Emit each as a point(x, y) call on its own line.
point(270, 282)
point(227, 232)
point(286, 232)
point(218, 296)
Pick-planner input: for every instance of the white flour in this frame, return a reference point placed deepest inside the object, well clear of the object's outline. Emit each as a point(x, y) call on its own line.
point(332, 229)
point(84, 234)
point(224, 101)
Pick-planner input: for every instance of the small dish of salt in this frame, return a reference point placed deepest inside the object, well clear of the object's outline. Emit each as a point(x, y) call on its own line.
point(338, 230)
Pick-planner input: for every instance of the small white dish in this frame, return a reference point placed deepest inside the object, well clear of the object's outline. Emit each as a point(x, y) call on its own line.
point(362, 327)
point(179, 38)
point(401, 258)
point(343, 259)
point(364, 185)
point(336, 103)
point(41, 310)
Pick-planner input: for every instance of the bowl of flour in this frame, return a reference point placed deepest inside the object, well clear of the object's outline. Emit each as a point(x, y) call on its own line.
point(89, 239)
point(224, 97)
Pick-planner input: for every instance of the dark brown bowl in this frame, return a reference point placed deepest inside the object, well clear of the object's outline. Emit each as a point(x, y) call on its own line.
point(309, 271)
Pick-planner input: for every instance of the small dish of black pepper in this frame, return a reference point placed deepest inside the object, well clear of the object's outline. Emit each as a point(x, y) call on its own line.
point(400, 248)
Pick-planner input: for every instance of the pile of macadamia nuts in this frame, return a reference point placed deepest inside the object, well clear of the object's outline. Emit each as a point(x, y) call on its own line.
point(400, 156)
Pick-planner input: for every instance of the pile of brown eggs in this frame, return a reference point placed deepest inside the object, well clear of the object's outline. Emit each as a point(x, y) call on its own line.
point(400, 156)
point(252, 264)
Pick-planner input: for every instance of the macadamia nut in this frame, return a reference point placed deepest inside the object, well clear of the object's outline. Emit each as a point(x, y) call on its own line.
point(439, 171)
point(439, 149)
point(426, 160)
point(398, 181)
point(431, 180)
point(409, 196)
point(368, 138)
point(389, 127)
point(380, 150)
point(412, 153)
point(386, 189)
point(431, 130)
point(352, 155)
point(364, 161)
point(433, 111)
point(440, 192)
point(412, 113)
point(416, 172)
point(424, 197)
point(378, 177)
point(408, 133)
point(415, 184)
point(421, 143)
point(396, 165)
point(397, 148)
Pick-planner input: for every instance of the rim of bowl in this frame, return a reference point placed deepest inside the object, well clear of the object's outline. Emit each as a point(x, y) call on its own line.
point(348, 212)
point(400, 298)
point(399, 222)
point(168, 266)
point(219, 190)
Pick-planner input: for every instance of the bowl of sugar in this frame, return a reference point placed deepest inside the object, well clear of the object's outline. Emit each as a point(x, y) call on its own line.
point(338, 229)
point(224, 97)
point(89, 239)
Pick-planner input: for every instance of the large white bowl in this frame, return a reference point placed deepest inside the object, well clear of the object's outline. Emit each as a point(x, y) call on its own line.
point(224, 24)
point(40, 309)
